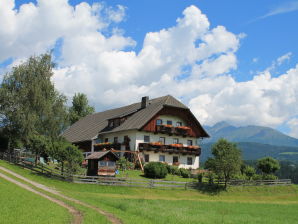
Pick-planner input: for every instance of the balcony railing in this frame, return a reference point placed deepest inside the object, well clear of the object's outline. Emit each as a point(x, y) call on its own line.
point(107, 145)
point(172, 148)
point(170, 130)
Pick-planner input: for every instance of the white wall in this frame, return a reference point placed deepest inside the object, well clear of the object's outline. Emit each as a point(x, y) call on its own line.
point(174, 119)
point(168, 138)
point(182, 159)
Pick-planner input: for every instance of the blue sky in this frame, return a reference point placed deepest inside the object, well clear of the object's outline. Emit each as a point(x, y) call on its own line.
point(262, 35)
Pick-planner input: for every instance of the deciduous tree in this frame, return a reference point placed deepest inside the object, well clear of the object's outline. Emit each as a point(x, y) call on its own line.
point(226, 160)
point(268, 165)
point(79, 108)
point(29, 102)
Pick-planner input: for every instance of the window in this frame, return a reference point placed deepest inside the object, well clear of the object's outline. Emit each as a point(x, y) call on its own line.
point(103, 163)
point(111, 124)
point(175, 159)
point(189, 142)
point(146, 158)
point(115, 139)
point(169, 122)
point(175, 140)
point(146, 138)
point(189, 160)
point(126, 139)
point(106, 140)
point(162, 158)
point(179, 123)
point(162, 140)
point(158, 122)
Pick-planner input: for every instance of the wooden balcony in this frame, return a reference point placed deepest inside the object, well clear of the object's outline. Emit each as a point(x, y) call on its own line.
point(173, 148)
point(165, 129)
point(170, 130)
point(107, 145)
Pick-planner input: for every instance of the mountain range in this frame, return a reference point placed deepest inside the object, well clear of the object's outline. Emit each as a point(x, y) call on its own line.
point(254, 141)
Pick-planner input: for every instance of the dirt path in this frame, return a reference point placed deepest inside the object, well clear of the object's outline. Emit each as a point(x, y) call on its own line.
point(77, 216)
point(109, 216)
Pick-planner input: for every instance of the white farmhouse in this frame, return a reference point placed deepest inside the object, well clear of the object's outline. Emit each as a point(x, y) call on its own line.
point(162, 129)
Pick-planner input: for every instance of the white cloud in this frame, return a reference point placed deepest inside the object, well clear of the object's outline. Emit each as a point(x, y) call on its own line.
point(281, 9)
point(111, 73)
point(284, 58)
point(33, 29)
point(263, 100)
point(255, 60)
point(279, 61)
point(293, 124)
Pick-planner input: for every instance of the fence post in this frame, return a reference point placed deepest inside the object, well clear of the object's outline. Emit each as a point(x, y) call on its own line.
point(185, 187)
point(151, 183)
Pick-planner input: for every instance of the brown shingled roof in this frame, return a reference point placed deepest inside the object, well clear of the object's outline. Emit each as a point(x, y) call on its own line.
point(90, 126)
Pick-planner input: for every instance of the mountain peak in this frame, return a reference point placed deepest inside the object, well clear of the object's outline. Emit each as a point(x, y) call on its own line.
point(250, 133)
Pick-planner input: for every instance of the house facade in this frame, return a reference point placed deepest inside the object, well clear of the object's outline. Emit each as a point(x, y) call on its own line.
point(162, 129)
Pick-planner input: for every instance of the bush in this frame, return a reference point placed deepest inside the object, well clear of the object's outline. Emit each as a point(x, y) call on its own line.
point(240, 177)
point(184, 173)
point(173, 170)
point(269, 177)
point(249, 171)
point(155, 170)
point(124, 164)
point(257, 177)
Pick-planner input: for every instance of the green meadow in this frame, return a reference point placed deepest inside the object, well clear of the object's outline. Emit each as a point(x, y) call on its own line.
point(21, 206)
point(264, 204)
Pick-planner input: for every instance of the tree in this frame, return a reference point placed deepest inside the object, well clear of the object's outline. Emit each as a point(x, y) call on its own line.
point(268, 165)
point(67, 154)
point(249, 171)
point(80, 108)
point(39, 145)
point(29, 102)
point(227, 160)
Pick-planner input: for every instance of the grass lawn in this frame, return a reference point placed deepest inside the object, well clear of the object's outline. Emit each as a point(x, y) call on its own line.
point(264, 204)
point(21, 206)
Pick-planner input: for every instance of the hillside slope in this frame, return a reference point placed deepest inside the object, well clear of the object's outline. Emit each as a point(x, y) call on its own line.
point(251, 133)
point(254, 151)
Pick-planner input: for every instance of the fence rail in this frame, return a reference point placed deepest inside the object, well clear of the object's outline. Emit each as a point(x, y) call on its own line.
point(130, 182)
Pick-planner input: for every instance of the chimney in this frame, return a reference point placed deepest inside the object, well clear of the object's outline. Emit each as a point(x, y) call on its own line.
point(145, 102)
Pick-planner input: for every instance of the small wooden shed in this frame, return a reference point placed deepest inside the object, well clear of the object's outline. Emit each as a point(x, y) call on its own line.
point(102, 163)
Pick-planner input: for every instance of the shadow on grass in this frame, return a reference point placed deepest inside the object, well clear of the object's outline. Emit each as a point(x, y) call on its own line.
point(211, 189)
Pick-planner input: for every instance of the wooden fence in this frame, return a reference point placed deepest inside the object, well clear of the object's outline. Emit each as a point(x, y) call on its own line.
point(130, 182)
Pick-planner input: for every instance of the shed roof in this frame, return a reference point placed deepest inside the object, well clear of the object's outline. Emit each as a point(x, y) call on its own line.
point(98, 155)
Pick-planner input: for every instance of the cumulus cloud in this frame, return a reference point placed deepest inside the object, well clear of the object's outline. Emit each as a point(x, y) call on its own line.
point(112, 73)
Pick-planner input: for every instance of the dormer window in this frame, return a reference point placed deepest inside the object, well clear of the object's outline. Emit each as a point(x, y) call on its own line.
point(111, 124)
point(158, 122)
